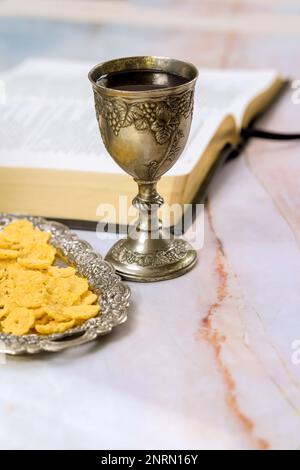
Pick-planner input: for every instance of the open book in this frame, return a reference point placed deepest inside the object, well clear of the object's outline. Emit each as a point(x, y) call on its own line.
point(52, 159)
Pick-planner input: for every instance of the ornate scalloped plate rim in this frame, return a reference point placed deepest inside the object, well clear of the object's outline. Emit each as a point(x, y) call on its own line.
point(114, 300)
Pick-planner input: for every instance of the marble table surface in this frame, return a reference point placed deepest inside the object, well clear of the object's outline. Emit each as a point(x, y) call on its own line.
point(208, 360)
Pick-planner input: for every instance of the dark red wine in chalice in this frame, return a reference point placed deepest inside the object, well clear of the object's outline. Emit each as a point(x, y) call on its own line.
point(140, 80)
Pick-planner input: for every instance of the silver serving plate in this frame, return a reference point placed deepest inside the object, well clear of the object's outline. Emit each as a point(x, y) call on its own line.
point(113, 293)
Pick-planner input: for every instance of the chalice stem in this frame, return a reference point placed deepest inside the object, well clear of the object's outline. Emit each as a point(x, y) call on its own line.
point(150, 252)
point(148, 202)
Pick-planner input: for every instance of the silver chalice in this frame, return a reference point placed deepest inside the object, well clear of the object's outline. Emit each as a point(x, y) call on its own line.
point(144, 108)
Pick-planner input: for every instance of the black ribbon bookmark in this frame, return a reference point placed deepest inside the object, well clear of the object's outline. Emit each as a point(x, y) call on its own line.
point(251, 132)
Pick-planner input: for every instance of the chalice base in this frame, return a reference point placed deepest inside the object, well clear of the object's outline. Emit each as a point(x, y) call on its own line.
point(144, 260)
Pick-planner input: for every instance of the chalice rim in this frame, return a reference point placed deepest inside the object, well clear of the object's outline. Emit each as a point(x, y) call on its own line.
point(94, 75)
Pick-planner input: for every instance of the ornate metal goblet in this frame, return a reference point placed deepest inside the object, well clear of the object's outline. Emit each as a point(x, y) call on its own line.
point(145, 130)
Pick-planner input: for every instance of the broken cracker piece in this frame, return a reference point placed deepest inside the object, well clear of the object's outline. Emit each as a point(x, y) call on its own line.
point(54, 327)
point(19, 321)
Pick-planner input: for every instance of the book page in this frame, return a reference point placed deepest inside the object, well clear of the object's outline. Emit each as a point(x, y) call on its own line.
point(48, 119)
